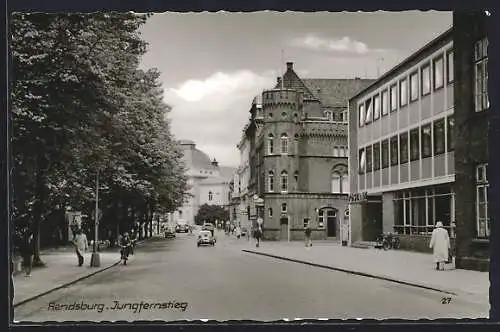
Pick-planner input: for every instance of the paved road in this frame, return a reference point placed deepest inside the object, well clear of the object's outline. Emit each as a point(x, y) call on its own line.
point(224, 283)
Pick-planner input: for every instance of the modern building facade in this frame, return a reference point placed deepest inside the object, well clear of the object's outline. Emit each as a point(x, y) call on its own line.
point(297, 140)
point(209, 183)
point(411, 167)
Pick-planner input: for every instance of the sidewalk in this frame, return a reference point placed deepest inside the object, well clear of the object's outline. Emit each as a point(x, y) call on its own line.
point(393, 265)
point(61, 270)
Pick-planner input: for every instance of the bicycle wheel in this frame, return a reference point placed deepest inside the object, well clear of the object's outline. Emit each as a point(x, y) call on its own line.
point(386, 245)
point(396, 243)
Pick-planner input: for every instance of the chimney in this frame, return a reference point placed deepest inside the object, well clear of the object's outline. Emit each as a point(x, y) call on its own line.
point(215, 163)
point(289, 65)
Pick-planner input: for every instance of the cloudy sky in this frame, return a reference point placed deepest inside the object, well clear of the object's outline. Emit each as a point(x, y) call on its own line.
point(213, 64)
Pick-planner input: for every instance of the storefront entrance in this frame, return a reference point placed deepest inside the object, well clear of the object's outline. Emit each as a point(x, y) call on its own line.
point(328, 216)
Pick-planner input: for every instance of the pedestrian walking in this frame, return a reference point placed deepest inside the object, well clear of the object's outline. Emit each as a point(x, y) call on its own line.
point(238, 232)
point(440, 243)
point(258, 235)
point(125, 245)
point(81, 245)
point(26, 247)
point(307, 232)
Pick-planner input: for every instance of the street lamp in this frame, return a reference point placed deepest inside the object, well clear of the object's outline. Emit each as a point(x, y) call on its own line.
point(95, 260)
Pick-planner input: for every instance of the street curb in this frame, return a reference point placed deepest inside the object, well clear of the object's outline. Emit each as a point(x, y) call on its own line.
point(363, 274)
point(65, 285)
point(70, 282)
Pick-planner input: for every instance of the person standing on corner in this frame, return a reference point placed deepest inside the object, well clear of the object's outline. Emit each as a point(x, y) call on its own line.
point(81, 245)
point(440, 243)
point(258, 235)
point(308, 236)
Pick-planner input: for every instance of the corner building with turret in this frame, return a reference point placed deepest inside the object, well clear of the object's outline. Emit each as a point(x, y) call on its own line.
point(298, 156)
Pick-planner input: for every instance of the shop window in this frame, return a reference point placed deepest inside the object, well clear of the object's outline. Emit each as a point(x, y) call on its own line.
point(426, 134)
point(438, 71)
point(394, 151)
point(270, 144)
point(362, 161)
point(376, 156)
point(361, 115)
point(376, 107)
point(450, 74)
point(369, 159)
point(403, 92)
point(394, 97)
point(403, 146)
point(481, 75)
point(482, 216)
point(369, 111)
point(414, 144)
point(284, 143)
point(426, 80)
point(439, 143)
point(284, 181)
point(414, 86)
point(385, 153)
point(450, 132)
point(271, 181)
point(384, 102)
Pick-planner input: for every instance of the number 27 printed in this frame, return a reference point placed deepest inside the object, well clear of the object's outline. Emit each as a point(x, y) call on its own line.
point(445, 300)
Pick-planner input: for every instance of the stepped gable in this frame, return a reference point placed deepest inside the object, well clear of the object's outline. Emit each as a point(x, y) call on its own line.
point(335, 93)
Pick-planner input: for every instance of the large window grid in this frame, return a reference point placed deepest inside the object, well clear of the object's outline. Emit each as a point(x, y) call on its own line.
point(439, 137)
point(417, 210)
point(414, 144)
point(426, 79)
point(376, 107)
point(369, 159)
point(438, 72)
point(394, 150)
point(481, 99)
point(385, 153)
point(384, 102)
point(482, 215)
point(376, 156)
point(414, 86)
point(403, 148)
point(394, 97)
point(426, 134)
point(403, 92)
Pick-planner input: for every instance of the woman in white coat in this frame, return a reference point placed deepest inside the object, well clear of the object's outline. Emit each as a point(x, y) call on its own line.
point(440, 243)
point(81, 245)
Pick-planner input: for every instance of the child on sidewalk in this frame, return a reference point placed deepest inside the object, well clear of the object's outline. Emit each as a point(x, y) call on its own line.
point(308, 236)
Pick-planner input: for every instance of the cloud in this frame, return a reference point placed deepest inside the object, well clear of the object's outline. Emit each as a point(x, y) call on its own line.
point(342, 45)
point(212, 111)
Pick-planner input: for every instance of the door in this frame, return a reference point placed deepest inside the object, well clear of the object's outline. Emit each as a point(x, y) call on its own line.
point(284, 228)
point(331, 223)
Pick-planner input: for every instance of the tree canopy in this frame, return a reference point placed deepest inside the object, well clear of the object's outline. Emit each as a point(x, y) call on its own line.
point(82, 106)
point(211, 213)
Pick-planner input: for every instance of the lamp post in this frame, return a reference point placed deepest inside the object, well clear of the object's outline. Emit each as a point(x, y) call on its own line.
point(95, 261)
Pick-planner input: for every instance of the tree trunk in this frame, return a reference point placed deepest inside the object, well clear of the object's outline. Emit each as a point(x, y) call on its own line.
point(37, 213)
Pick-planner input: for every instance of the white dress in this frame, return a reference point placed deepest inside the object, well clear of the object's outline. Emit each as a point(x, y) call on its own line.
point(440, 243)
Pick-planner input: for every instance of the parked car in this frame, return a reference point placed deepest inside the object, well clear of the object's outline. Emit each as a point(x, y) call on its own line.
point(205, 237)
point(169, 232)
point(181, 228)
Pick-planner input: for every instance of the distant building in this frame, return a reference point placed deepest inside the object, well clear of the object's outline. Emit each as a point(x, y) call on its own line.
point(297, 156)
point(409, 166)
point(209, 182)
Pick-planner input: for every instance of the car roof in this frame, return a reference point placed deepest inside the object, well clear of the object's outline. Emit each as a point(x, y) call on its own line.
point(205, 232)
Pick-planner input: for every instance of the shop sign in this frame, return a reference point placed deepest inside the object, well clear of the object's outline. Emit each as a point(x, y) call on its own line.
point(358, 197)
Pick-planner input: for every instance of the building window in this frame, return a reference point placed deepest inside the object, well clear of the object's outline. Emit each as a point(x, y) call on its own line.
point(369, 111)
point(346, 150)
point(482, 216)
point(270, 212)
point(438, 71)
point(376, 107)
point(414, 144)
point(362, 161)
point(403, 92)
point(403, 146)
point(336, 180)
point(414, 86)
point(329, 115)
point(394, 151)
point(270, 144)
point(306, 222)
point(296, 178)
point(426, 141)
point(385, 153)
point(481, 75)
point(335, 151)
point(384, 103)
point(344, 117)
point(369, 159)
point(283, 208)
point(426, 80)
point(271, 181)
point(344, 183)
point(284, 181)
point(394, 97)
point(361, 114)
point(321, 218)
point(450, 74)
point(450, 133)
point(439, 144)
point(210, 196)
point(284, 144)
point(376, 156)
